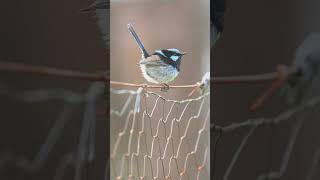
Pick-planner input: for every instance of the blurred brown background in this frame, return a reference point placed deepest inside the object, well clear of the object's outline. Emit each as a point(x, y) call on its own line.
point(258, 35)
point(56, 34)
point(160, 24)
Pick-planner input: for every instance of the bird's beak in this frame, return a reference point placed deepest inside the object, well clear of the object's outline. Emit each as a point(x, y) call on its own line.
point(184, 53)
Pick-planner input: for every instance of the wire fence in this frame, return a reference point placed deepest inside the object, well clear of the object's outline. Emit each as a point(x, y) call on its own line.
point(297, 116)
point(159, 138)
point(85, 151)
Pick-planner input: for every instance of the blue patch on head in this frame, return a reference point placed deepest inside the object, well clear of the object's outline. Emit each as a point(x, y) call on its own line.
point(174, 50)
point(174, 57)
point(160, 52)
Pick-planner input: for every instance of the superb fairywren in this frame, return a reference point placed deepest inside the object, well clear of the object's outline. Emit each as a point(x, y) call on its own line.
point(162, 66)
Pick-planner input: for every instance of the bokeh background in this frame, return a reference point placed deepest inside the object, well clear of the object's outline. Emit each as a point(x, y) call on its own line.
point(259, 35)
point(160, 25)
point(49, 33)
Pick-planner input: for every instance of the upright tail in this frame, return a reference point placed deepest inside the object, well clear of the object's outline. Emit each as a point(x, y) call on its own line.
point(138, 41)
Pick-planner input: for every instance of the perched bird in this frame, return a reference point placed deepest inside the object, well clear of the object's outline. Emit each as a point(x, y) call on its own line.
point(217, 9)
point(161, 67)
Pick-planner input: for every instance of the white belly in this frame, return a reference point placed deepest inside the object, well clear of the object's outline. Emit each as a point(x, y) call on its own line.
point(159, 74)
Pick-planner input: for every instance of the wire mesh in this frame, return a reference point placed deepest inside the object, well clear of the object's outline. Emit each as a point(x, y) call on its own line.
point(298, 115)
point(157, 138)
point(84, 153)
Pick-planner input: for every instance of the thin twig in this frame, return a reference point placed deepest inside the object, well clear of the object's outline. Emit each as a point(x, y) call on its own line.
point(276, 85)
point(314, 165)
point(250, 79)
point(104, 76)
point(284, 116)
point(286, 157)
point(49, 71)
point(115, 83)
point(101, 76)
point(237, 153)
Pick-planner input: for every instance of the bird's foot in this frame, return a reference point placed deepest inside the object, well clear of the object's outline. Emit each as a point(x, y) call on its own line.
point(165, 87)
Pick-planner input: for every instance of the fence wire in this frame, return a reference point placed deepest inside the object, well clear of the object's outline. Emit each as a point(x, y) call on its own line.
point(159, 138)
point(298, 115)
point(85, 152)
point(156, 138)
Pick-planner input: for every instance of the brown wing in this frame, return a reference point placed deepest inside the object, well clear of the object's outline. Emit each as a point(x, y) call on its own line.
point(152, 60)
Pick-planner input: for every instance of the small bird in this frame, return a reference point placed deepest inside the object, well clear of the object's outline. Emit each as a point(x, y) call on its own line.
point(161, 67)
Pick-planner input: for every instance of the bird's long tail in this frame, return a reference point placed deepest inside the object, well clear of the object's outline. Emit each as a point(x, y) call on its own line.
point(138, 41)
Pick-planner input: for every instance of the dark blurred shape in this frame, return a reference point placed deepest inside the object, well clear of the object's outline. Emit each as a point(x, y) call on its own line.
point(99, 4)
point(217, 9)
point(306, 62)
point(101, 10)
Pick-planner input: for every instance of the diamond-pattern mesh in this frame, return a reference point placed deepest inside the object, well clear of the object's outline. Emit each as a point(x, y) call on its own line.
point(157, 138)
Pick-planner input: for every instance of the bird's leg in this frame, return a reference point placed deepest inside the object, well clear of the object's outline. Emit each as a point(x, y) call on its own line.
point(165, 87)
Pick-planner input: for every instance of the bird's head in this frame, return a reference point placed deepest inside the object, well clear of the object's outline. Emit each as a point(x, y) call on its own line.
point(173, 54)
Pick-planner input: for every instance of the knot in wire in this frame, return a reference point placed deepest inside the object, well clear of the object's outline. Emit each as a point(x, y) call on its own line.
point(202, 86)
